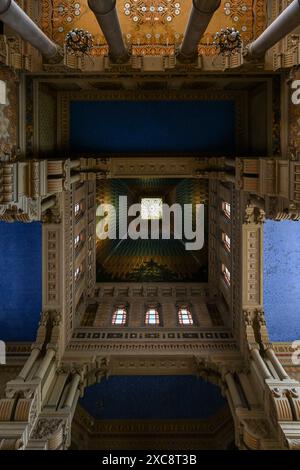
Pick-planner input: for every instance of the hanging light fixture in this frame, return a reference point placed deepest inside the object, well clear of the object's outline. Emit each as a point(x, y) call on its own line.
point(228, 41)
point(79, 41)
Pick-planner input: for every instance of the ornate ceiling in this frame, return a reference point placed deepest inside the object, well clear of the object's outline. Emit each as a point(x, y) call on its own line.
point(150, 260)
point(156, 23)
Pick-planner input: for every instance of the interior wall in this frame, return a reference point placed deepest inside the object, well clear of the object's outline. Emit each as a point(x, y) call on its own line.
point(47, 121)
point(259, 125)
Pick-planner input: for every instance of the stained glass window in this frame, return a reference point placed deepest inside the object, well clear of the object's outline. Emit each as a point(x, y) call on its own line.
point(119, 316)
point(185, 317)
point(152, 317)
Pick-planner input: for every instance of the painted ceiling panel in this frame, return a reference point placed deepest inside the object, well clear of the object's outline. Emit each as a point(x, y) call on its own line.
point(152, 397)
point(175, 126)
point(20, 280)
point(282, 279)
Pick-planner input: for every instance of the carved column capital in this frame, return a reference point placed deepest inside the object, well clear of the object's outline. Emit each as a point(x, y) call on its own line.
point(53, 214)
point(254, 215)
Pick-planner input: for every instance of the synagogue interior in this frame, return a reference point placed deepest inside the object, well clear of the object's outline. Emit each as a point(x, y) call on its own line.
point(111, 341)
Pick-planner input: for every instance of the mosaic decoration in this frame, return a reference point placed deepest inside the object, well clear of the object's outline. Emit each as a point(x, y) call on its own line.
point(152, 24)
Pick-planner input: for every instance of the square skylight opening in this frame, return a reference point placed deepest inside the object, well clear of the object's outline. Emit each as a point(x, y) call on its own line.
point(151, 208)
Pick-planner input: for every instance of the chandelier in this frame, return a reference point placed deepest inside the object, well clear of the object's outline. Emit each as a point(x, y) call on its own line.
point(228, 41)
point(79, 41)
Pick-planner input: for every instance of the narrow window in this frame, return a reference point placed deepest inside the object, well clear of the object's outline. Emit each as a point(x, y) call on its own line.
point(119, 317)
point(226, 208)
point(185, 317)
point(226, 274)
point(77, 273)
point(76, 240)
point(152, 317)
point(226, 241)
point(77, 208)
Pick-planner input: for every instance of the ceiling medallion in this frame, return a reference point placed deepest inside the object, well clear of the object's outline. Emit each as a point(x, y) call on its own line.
point(152, 12)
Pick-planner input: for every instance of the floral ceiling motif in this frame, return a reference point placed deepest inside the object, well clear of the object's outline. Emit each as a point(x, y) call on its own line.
point(152, 22)
point(152, 12)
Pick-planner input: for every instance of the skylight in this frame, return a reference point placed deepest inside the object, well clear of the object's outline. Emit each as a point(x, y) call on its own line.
point(151, 208)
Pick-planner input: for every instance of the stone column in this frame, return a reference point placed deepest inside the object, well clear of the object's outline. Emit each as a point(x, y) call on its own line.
point(200, 16)
point(28, 364)
point(284, 24)
point(44, 364)
point(233, 390)
point(277, 366)
point(261, 364)
point(72, 391)
point(248, 390)
point(107, 17)
point(14, 17)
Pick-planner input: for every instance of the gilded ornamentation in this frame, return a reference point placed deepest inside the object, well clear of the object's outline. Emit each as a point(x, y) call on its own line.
point(152, 22)
point(152, 12)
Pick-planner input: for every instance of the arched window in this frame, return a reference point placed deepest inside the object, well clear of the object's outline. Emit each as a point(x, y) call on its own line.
point(152, 317)
point(119, 317)
point(185, 316)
